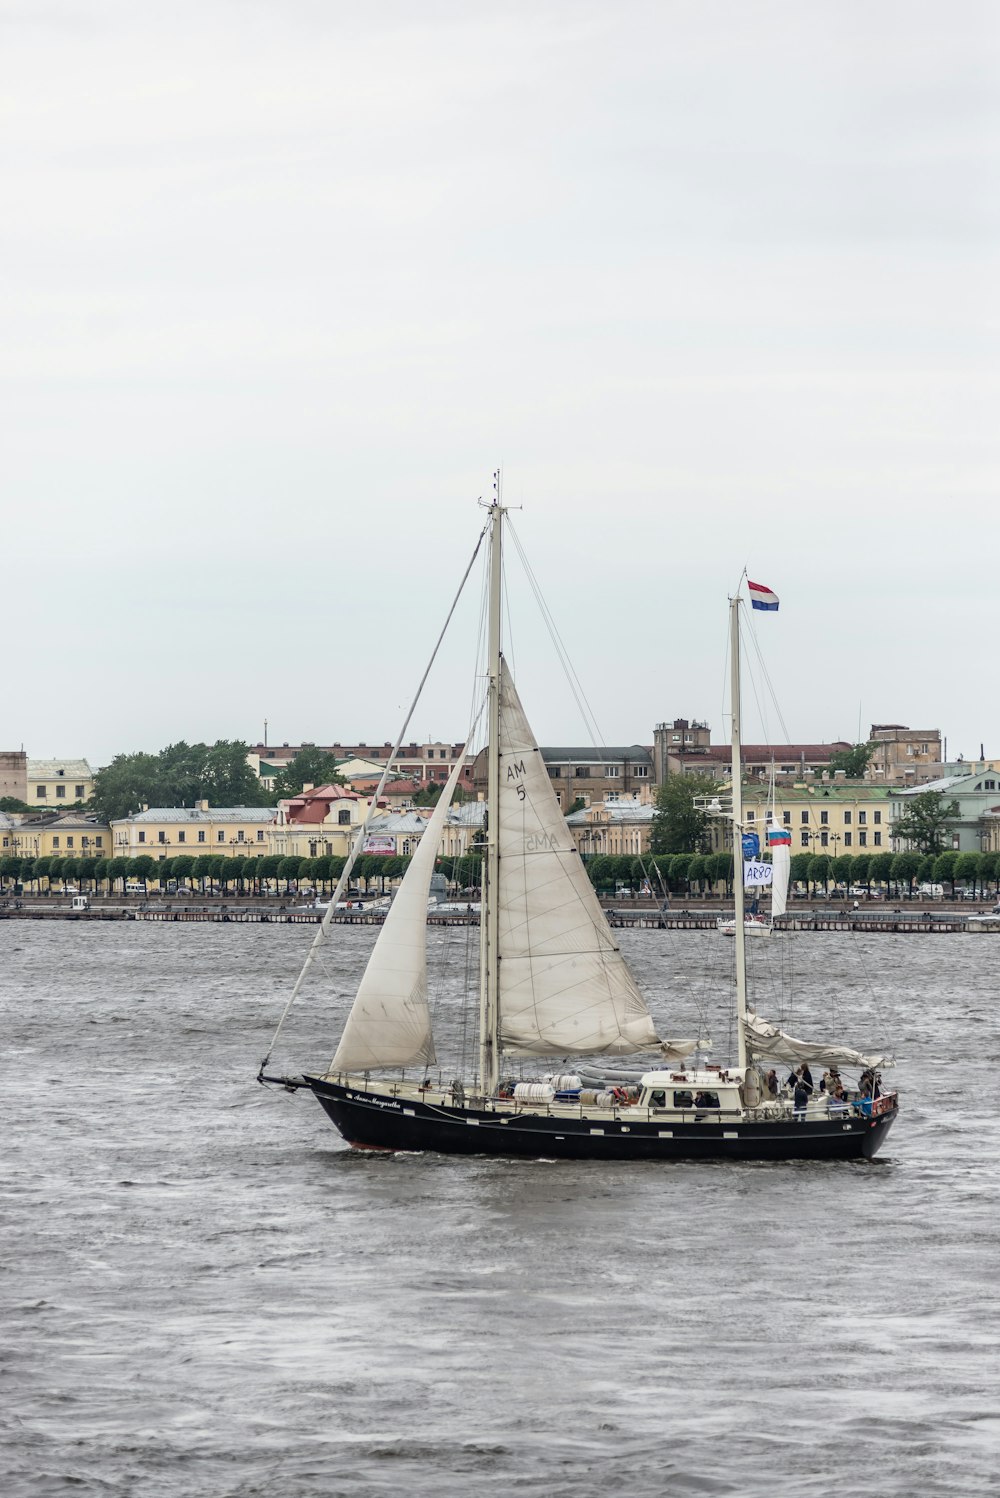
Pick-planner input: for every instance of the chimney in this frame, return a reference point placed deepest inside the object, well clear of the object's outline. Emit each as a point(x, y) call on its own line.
point(203, 806)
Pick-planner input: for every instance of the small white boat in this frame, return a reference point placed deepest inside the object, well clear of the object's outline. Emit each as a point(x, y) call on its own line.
point(753, 925)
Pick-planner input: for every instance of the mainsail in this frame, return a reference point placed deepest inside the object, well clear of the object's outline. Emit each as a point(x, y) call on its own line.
point(564, 987)
point(766, 1040)
point(390, 1022)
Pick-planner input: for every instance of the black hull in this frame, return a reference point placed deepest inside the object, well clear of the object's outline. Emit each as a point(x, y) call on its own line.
point(376, 1120)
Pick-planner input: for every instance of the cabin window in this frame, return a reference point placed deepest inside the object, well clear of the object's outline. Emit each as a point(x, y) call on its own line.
point(706, 1100)
point(683, 1100)
point(658, 1099)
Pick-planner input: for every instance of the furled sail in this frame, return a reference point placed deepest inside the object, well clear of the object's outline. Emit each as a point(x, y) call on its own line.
point(390, 1022)
point(564, 986)
point(766, 1040)
point(779, 840)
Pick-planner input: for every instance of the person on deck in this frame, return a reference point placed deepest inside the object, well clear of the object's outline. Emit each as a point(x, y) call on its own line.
point(803, 1092)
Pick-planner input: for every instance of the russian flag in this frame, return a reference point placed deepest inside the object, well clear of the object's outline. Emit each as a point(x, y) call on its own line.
point(779, 837)
point(761, 597)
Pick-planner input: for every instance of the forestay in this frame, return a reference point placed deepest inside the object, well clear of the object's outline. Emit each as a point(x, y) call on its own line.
point(766, 1040)
point(564, 987)
point(390, 1022)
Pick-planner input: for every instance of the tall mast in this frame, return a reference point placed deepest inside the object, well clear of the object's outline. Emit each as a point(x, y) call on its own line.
point(489, 1007)
point(739, 935)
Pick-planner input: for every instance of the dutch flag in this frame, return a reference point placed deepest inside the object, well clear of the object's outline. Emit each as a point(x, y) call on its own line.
point(761, 597)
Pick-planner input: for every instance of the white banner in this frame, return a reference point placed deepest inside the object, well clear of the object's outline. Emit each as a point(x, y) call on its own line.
point(756, 873)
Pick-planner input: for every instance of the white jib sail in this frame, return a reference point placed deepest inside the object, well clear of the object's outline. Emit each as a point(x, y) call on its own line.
point(766, 1040)
point(390, 1021)
point(564, 986)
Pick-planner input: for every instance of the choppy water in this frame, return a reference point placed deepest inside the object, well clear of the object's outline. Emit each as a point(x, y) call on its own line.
point(207, 1294)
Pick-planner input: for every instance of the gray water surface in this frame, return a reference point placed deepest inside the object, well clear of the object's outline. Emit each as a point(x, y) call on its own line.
point(206, 1292)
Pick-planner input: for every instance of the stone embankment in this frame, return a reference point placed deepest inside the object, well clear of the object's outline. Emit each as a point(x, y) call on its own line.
point(941, 919)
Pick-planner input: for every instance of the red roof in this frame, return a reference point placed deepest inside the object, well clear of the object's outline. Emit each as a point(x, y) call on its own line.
point(313, 806)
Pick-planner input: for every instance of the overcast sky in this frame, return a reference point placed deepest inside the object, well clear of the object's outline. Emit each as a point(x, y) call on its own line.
point(715, 280)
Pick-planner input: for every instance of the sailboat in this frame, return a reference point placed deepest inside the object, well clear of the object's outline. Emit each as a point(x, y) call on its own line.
point(779, 844)
point(555, 987)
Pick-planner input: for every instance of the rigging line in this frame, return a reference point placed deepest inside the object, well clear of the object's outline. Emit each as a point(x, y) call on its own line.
point(751, 635)
point(579, 696)
point(328, 914)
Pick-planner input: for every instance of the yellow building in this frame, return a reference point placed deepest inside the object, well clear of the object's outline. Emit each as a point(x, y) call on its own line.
point(52, 782)
point(322, 820)
point(828, 816)
point(169, 832)
point(70, 835)
point(613, 828)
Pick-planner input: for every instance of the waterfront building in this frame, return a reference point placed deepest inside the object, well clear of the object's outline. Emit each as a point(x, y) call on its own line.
point(396, 834)
point(463, 828)
point(321, 821)
point(978, 797)
point(54, 781)
point(614, 828)
point(589, 774)
point(425, 763)
point(69, 834)
point(904, 756)
point(14, 774)
point(679, 749)
point(169, 832)
point(831, 815)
